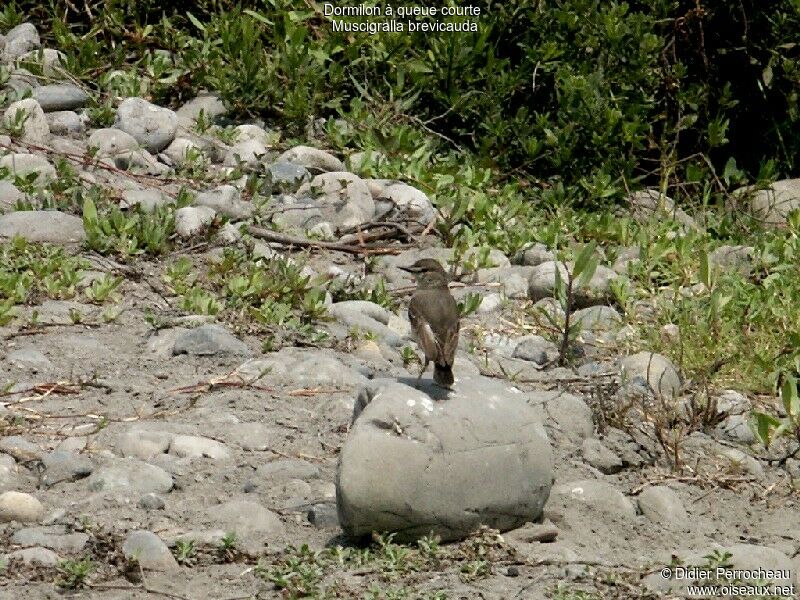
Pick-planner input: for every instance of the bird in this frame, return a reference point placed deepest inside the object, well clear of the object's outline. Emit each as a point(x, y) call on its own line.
point(434, 318)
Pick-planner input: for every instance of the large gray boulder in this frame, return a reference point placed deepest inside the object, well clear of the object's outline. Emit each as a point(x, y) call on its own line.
point(422, 461)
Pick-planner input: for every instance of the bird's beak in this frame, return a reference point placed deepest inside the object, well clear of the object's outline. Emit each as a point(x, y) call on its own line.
point(410, 269)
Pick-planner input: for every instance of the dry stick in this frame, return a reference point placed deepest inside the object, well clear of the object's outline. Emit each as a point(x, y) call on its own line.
point(271, 236)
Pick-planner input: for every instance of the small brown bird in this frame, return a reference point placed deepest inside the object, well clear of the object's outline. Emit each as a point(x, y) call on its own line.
point(434, 317)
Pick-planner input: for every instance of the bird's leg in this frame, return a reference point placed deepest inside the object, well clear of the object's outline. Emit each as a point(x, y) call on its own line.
point(422, 370)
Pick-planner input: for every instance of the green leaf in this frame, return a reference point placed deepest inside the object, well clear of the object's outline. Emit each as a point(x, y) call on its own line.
point(791, 401)
point(764, 423)
point(195, 21)
point(583, 259)
point(705, 269)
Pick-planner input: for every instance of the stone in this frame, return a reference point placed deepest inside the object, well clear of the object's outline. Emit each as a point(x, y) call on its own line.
point(192, 220)
point(296, 213)
point(477, 455)
point(182, 151)
point(65, 466)
point(536, 349)
point(655, 369)
point(248, 153)
point(245, 518)
point(29, 358)
point(130, 475)
point(10, 196)
point(736, 428)
point(149, 551)
point(323, 516)
point(143, 444)
point(343, 198)
point(28, 117)
point(226, 200)
point(600, 457)
point(20, 448)
point(60, 96)
point(66, 123)
point(598, 318)
point(361, 161)
point(52, 226)
point(534, 255)
point(34, 556)
point(54, 537)
point(652, 204)
point(564, 412)
point(733, 259)
point(662, 505)
point(542, 284)
point(148, 200)
point(770, 206)
point(151, 501)
point(284, 469)
point(209, 340)
point(251, 436)
point(18, 506)
point(625, 257)
point(206, 104)
point(316, 161)
point(489, 304)
point(597, 495)
point(112, 143)
point(513, 280)
point(404, 203)
point(20, 40)
point(366, 316)
point(286, 177)
point(152, 126)
point(248, 131)
point(191, 446)
point(50, 61)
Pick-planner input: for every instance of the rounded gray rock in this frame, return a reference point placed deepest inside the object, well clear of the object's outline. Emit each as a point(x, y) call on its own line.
point(152, 126)
point(149, 551)
point(18, 506)
point(28, 115)
point(51, 226)
point(19, 40)
point(662, 505)
point(343, 198)
point(597, 494)
point(60, 96)
point(657, 370)
point(316, 161)
point(476, 456)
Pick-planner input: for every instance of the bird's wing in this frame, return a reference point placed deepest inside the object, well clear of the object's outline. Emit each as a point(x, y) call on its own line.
point(449, 345)
point(425, 336)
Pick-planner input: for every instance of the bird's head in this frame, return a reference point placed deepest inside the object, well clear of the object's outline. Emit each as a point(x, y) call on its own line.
point(428, 273)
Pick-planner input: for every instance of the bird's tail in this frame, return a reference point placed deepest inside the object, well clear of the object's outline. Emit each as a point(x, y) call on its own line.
point(443, 375)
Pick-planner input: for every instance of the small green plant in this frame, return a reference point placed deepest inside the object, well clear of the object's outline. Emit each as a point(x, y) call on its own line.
point(16, 127)
point(469, 304)
point(140, 232)
point(102, 289)
point(73, 573)
point(564, 291)
point(768, 427)
point(185, 552)
point(408, 356)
